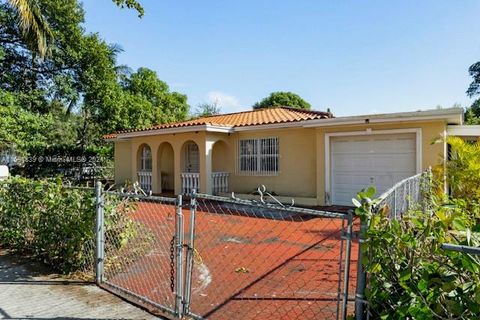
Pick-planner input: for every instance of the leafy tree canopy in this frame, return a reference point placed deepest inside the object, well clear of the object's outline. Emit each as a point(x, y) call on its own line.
point(472, 114)
point(474, 88)
point(131, 4)
point(35, 28)
point(24, 130)
point(206, 109)
point(280, 98)
point(147, 100)
point(78, 88)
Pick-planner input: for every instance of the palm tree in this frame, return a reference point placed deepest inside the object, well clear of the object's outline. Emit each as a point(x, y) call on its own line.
point(35, 28)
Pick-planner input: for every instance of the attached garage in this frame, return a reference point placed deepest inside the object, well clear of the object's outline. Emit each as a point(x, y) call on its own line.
point(361, 160)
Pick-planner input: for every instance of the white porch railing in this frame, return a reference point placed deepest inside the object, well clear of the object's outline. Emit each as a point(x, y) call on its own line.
point(219, 182)
point(190, 181)
point(145, 180)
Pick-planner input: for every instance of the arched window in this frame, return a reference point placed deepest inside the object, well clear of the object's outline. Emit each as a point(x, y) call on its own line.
point(192, 161)
point(146, 159)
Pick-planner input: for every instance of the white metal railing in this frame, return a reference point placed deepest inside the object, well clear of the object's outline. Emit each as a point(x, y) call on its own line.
point(190, 181)
point(219, 182)
point(145, 180)
point(406, 194)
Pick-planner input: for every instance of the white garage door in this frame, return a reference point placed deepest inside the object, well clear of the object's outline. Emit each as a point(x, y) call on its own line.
point(360, 161)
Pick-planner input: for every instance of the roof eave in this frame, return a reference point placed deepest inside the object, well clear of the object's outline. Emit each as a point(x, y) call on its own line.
point(185, 129)
point(269, 126)
point(451, 116)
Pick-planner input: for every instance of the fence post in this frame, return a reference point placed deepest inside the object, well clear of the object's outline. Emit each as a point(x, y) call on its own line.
point(179, 272)
point(340, 270)
point(361, 274)
point(190, 254)
point(395, 203)
point(348, 250)
point(99, 233)
point(430, 188)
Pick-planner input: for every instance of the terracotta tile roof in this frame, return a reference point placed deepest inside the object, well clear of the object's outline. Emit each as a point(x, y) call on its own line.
point(241, 119)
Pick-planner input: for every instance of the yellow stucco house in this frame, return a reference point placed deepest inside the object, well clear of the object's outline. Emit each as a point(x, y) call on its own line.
point(310, 156)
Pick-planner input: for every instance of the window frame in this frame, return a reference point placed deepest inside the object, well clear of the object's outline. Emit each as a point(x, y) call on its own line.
point(145, 158)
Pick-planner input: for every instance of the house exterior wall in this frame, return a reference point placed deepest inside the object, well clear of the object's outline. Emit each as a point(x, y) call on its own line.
point(297, 164)
point(301, 162)
point(166, 166)
point(123, 162)
point(432, 154)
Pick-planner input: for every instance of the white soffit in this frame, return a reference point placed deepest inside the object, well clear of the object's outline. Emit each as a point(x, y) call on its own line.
point(464, 131)
point(451, 116)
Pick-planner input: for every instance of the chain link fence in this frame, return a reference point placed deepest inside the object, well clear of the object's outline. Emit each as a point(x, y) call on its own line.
point(138, 249)
point(403, 196)
point(265, 261)
point(210, 257)
point(411, 193)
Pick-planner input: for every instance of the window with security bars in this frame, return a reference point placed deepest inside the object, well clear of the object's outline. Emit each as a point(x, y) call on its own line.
point(146, 159)
point(258, 156)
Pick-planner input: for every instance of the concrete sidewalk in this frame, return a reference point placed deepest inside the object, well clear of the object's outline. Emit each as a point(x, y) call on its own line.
point(29, 291)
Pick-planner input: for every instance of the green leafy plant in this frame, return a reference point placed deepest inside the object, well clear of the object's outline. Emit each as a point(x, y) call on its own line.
point(463, 169)
point(409, 275)
point(46, 220)
point(56, 224)
point(125, 239)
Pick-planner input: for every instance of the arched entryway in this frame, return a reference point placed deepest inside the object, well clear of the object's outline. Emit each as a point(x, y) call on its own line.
point(220, 167)
point(190, 164)
point(144, 167)
point(165, 168)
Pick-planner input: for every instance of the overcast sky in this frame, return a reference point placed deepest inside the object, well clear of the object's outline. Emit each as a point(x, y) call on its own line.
point(354, 57)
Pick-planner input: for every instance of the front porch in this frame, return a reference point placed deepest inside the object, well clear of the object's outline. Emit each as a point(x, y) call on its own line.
point(173, 169)
point(190, 182)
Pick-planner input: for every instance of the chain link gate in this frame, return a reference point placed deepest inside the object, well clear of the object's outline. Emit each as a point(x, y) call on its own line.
point(140, 253)
point(257, 260)
point(225, 258)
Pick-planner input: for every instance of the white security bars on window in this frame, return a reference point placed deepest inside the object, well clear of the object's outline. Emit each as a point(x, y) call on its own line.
point(146, 159)
point(145, 173)
point(258, 156)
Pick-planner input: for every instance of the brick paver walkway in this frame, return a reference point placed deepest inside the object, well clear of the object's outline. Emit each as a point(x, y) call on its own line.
point(29, 291)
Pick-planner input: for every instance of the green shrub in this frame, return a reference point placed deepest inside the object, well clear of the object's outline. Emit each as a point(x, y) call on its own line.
point(56, 224)
point(409, 275)
point(48, 221)
point(463, 169)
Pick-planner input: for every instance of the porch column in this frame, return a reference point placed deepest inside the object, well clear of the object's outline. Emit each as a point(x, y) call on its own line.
point(206, 183)
point(177, 168)
point(155, 185)
point(134, 150)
